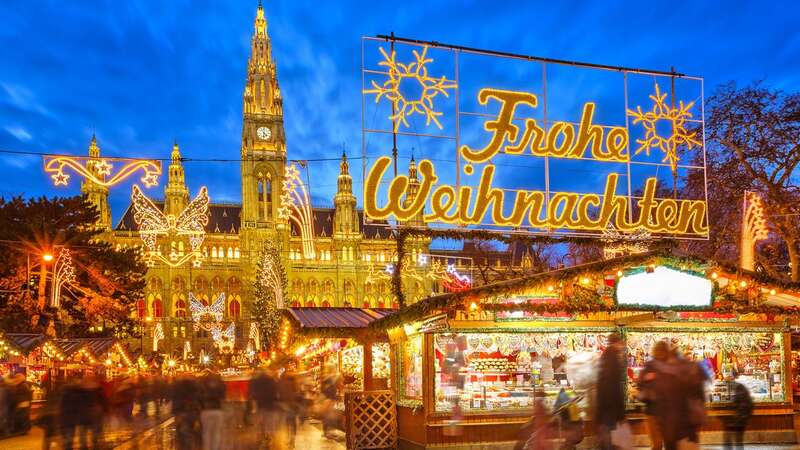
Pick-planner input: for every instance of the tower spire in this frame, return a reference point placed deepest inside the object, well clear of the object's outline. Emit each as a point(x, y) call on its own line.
point(262, 95)
point(97, 194)
point(176, 195)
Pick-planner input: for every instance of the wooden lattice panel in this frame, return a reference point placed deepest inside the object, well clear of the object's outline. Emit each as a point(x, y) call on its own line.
point(371, 420)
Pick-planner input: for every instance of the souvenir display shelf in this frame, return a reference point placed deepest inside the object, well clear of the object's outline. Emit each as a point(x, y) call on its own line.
point(485, 372)
point(754, 359)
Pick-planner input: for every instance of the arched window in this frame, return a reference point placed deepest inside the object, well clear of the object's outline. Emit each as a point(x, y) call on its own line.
point(200, 285)
point(395, 305)
point(234, 308)
point(158, 308)
point(326, 304)
point(264, 195)
point(217, 286)
point(180, 307)
point(295, 304)
point(155, 284)
point(379, 304)
point(141, 308)
point(214, 251)
point(234, 285)
point(236, 252)
point(230, 253)
point(178, 285)
point(348, 305)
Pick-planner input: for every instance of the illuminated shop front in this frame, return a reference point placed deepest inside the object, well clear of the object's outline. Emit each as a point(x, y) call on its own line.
point(490, 352)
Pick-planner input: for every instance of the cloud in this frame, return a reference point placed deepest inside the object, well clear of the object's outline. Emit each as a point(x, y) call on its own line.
point(24, 99)
point(19, 132)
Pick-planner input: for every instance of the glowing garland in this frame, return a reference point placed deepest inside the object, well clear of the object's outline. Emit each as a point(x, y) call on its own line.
point(754, 228)
point(96, 171)
point(296, 206)
point(415, 71)
point(63, 273)
point(206, 317)
point(616, 243)
point(449, 277)
point(158, 335)
point(662, 112)
point(271, 276)
point(255, 336)
point(153, 223)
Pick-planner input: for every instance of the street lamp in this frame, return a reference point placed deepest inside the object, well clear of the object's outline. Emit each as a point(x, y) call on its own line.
point(47, 257)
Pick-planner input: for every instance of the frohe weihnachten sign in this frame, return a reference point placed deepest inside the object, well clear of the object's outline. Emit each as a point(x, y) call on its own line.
point(653, 144)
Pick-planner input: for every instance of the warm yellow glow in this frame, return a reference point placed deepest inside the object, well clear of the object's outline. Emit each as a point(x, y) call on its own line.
point(473, 306)
point(743, 284)
point(755, 220)
point(47, 257)
point(96, 171)
point(153, 224)
point(108, 361)
point(565, 210)
point(619, 273)
point(550, 288)
point(584, 280)
point(714, 275)
point(663, 112)
point(772, 292)
point(171, 363)
point(413, 72)
point(296, 206)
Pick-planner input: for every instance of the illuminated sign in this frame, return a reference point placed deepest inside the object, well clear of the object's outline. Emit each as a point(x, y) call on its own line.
point(664, 288)
point(516, 165)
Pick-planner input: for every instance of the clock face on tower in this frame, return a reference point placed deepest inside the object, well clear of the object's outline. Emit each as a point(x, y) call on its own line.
point(263, 133)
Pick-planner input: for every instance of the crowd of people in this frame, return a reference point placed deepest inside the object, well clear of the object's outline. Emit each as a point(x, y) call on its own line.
point(671, 389)
point(85, 411)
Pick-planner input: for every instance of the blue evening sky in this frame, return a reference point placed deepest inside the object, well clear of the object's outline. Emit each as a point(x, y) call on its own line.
point(144, 73)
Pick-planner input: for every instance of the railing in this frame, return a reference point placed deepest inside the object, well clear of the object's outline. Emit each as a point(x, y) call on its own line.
point(370, 420)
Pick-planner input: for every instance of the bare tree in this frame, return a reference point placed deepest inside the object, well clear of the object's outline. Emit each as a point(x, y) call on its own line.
point(753, 142)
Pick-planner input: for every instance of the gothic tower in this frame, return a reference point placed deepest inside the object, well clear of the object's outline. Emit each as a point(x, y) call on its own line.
point(176, 195)
point(263, 139)
point(345, 219)
point(96, 194)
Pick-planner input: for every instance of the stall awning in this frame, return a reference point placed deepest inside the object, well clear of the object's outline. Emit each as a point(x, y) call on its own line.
point(309, 319)
point(25, 342)
point(95, 346)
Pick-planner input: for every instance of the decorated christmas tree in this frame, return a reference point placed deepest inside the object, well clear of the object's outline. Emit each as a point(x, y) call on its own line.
point(269, 287)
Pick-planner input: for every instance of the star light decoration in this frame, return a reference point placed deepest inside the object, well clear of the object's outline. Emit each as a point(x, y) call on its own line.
point(755, 220)
point(663, 112)
point(413, 72)
point(153, 223)
point(100, 171)
point(296, 206)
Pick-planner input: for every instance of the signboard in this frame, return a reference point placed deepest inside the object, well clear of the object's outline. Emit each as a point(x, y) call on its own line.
point(664, 288)
point(464, 138)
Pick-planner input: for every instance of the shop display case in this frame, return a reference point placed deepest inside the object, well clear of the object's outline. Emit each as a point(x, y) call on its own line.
point(754, 359)
point(353, 368)
point(411, 381)
point(506, 371)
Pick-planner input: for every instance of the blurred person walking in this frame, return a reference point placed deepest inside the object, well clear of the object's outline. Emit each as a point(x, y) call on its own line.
point(648, 394)
point(742, 411)
point(48, 417)
point(263, 395)
point(20, 404)
point(186, 408)
point(212, 417)
point(5, 408)
point(289, 397)
point(610, 411)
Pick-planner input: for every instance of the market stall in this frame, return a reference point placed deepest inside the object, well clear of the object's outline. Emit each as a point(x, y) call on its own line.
point(339, 339)
point(470, 365)
point(33, 355)
point(100, 355)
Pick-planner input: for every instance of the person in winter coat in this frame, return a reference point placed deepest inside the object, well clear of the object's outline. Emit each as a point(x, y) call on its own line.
point(648, 395)
point(610, 409)
point(742, 411)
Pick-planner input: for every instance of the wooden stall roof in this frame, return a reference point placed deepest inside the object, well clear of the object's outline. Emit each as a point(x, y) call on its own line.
point(95, 346)
point(432, 305)
point(332, 321)
point(25, 342)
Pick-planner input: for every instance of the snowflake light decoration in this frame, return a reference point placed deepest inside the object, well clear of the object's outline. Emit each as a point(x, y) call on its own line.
point(417, 72)
point(663, 112)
